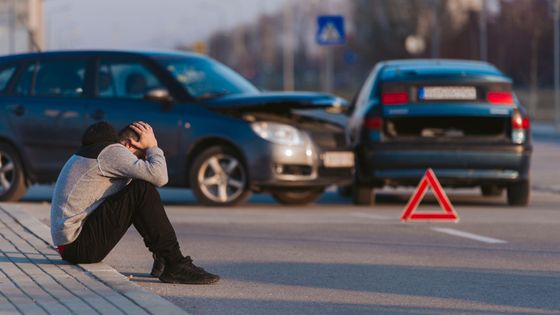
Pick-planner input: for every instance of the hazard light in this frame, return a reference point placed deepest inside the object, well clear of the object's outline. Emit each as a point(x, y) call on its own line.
point(499, 98)
point(520, 122)
point(519, 127)
point(394, 98)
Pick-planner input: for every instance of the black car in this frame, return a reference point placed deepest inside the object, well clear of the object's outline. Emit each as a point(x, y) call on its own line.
point(458, 117)
point(221, 136)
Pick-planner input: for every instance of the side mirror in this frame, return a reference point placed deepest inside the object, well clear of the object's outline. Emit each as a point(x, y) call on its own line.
point(160, 95)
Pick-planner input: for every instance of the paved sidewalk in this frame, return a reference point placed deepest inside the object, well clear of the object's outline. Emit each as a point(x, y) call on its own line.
point(35, 280)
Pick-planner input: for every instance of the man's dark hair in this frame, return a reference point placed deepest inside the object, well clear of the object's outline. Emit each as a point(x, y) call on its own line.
point(128, 133)
point(100, 132)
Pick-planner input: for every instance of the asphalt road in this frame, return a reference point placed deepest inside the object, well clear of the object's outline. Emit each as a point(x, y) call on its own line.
point(336, 258)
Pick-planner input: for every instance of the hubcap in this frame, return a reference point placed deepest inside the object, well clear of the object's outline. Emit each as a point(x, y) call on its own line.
point(221, 178)
point(7, 172)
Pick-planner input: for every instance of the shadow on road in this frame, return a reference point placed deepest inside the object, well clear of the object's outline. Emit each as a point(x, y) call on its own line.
point(526, 289)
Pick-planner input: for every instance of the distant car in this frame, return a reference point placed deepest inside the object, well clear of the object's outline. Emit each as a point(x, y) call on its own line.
point(221, 136)
point(458, 117)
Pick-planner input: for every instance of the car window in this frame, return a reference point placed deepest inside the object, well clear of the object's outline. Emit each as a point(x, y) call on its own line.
point(53, 78)
point(5, 76)
point(365, 92)
point(23, 86)
point(125, 80)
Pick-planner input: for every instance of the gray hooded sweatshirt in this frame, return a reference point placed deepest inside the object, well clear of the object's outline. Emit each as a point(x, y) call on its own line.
point(84, 183)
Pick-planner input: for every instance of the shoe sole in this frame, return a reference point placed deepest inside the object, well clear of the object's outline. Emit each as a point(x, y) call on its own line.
point(204, 281)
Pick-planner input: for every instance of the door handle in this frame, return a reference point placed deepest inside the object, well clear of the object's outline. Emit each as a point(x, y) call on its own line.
point(17, 109)
point(98, 115)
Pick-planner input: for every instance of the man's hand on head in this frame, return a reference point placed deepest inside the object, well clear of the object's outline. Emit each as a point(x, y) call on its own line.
point(146, 133)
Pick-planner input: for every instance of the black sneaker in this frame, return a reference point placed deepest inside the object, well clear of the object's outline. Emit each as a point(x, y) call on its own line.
point(159, 265)
point(187, 273)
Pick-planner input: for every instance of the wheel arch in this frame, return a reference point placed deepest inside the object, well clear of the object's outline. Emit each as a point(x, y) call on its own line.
point(206, 143)
point(29, 178)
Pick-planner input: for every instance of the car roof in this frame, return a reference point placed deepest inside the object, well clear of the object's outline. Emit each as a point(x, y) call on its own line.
point(129, 53)
point(429, 68)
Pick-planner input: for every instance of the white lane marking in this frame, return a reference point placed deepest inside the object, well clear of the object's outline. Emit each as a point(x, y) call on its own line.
point(370, 216)
point(468, 235)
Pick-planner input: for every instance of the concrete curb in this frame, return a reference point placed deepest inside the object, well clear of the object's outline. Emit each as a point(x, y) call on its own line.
point(149, 302)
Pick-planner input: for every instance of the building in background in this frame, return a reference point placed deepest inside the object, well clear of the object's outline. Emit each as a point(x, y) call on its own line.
point(21, 26)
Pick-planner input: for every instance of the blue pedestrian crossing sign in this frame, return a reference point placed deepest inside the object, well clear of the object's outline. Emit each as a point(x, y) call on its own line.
point(330, 30)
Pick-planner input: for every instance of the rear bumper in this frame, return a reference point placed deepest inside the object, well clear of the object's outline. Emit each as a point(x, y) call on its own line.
point(454, 166)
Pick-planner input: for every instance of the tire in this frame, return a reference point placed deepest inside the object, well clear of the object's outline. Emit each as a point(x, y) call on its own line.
point(297, 197)
point(491, 190)
point(12, 174)
point(363, 195)
point(213, 183)
point(518, 194)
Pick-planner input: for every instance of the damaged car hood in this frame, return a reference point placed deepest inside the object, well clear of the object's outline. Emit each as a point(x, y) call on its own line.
point(278, 101)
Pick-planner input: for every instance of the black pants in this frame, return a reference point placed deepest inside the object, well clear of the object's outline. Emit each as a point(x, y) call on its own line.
point(138, 203)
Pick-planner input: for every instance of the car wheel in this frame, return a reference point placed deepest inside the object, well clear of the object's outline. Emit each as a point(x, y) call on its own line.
point(491, 190)
point(12, 176)
point(518, 194)
point(363, 195)
point(297, 197)
point(218, 177)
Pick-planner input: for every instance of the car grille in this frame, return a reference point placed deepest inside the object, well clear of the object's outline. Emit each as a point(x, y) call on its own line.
point(328, 140)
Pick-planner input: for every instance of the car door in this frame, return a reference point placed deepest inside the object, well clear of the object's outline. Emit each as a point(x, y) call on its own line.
point(46, 111)
point(120, 88)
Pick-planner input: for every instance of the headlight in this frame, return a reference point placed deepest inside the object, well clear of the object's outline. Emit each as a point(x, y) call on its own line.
point(277, 133)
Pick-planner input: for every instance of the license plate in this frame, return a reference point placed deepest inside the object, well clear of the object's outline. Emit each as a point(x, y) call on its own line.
point(338, 159)
point(453, 93)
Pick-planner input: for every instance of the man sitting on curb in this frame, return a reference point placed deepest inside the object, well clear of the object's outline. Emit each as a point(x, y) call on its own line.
point(104, 188)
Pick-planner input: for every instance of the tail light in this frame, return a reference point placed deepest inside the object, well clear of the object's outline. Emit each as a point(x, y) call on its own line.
point(519, 127)
point(373, 123)
point(394, 98)
point(499, 98)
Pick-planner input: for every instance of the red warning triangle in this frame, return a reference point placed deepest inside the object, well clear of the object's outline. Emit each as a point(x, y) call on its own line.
point(430, 179)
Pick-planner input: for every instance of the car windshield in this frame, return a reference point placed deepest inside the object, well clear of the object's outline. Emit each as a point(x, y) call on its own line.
point(207, 79)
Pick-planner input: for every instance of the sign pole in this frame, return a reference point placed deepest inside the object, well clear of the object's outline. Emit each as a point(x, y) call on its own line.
point(329, 70)
point(330, 32)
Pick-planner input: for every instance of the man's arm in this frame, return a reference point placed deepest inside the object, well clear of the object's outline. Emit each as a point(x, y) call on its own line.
point(118, 161)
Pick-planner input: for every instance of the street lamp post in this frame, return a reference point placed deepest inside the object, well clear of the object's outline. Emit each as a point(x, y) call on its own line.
point(556, 8)
point(12, 24)
point(482, 22)
point(288, 47)
point(435, 28)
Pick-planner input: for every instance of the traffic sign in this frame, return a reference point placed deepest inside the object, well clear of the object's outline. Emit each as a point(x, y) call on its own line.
point(431, 180)
point(330, 30)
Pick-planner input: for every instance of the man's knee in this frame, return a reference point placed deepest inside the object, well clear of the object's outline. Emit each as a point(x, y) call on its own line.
point(143, 189)
point(142, 185)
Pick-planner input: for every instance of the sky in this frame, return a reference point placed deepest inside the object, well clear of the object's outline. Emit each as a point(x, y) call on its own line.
point(144, 24)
